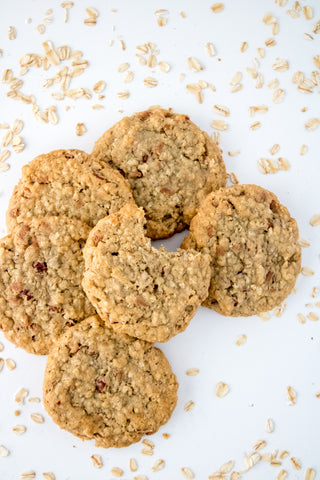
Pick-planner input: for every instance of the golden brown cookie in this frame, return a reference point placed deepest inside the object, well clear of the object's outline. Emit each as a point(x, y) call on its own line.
point(67, 183)
point(41, 267)
point(170, 163)
point(253, 243)
point(102, 385)
point(137, 289)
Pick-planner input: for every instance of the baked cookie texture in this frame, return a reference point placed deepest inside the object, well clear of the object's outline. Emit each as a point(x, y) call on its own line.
point(41, 268)
point(253, 243)
point(67, 183)
point(137, 289)
point(102, 385)
point(170, 163)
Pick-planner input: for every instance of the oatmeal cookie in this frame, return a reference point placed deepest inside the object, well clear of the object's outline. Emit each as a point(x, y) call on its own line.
point(41, 267)
point(67, 183)
point(170, 163)
point(137, 289)
point(106, 386)
point(253, 243)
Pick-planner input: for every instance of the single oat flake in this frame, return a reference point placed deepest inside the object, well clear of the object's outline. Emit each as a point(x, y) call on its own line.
point(315, 220)
point(187, 473)
point(19, 429)
point(241, 340)
point(37, 417)
point(221, 389)
point(4, 452)
point(219, 125)
point(10, 364)
point(116, 472)
point(192, 372)
point(295, 462)
point(49, 476)
point(312, 124)
point(80, 129)
point(158, 465)
point(189, 406)
point(96, 461)
point(28, 475)
point(310, 474)
point(291, 396)
point(133, 465)
point(269, 427)
point(217, 7)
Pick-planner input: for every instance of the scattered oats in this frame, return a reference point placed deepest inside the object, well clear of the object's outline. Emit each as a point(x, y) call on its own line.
point(270, 42)
point(19, 429)
point(278, 95)
point(252, 459)
point(18, 148)
point(226, 467)
point(283, 164)
point(216, 137)
point(282, 475)
point(152, 61)
point(6, 76)
point(189, 406)
point(6, 139)
point(275, 29)
point(301, 318)
point(233, 178)
point(274, 149)
point(20, 396)
point(147, 443)
point(147, 451)
point(96, 461)
point(273, 83)
point(236, 88)
point(164, 67)
point(133, 465)
point(234, 153)
point(4, 167)
point(315, 220)
point(255, 125)
point(295, 462)
point(258, 109)
point(12, 33)
point(123, 67)
point(99, 86)
point(312, 124)
point(4, 452)
point(27, 475)
point(52, 115)
point(269, 426)
point(303, 149)
point(283, 454)
point(307, 271)
point(129, 76)
point(243, 47)
point(297, 77)
point(313, 317)
point(292, 13)
point(210, 49)
point(237, 77)
point(316, 61)
point(80, 129)
point(266, 457)
point(140, 477)
point(4, 126)
point(221, 110)
point(261, 52)
point(97, 107)
point(67, 6)
point(150, 82)
point(123, 94)
point(17, 126)
point(4, 155)
point(307, 12)
point(49, 476)
point(268, 19)
point(187, 472)
point(192, 372)
point(10, 364)
point(37, 417)
point(221, 389)
point(123, 45)
point(259, 445)
point(307, 36)
point(41, 29)
point(310, 474)
point(34, 400)
point(291, 396)
point(316, 27)
point(116, 472)
point(219, 125)
point(216, 8)
point(280, 65)
point(241, 340)
point(194, 65)
point(158, 465)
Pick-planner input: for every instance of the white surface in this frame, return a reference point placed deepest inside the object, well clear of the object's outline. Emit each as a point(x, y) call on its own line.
point(279, 352)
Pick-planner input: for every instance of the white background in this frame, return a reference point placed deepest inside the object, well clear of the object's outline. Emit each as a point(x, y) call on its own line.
point(279, 352)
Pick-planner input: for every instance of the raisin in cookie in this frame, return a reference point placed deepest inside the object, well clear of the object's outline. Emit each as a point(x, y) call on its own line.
point(102, 385)
point(253, 243)
point(138, 290)
point(67, 183)
point(41, 267)
point(170, 163)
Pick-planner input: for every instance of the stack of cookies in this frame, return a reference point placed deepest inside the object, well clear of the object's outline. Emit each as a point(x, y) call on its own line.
point(80, 280)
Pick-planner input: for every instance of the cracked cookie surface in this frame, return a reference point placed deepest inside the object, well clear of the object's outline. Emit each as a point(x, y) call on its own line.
point(102, 385)
point(41, 268)
point(67, 183)
point(137, 289)
point(253, 243)
point(170, 163)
